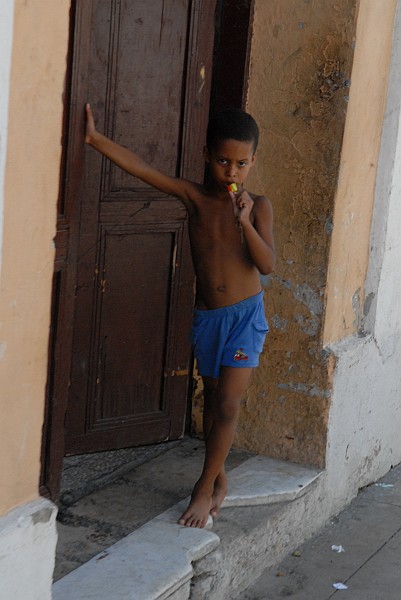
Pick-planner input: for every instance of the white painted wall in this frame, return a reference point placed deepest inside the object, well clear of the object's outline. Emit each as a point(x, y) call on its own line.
point(6, 34)
point(27, 550)
point(364, 438)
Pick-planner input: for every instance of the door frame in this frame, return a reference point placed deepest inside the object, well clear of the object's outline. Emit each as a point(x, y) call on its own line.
point(226, 90)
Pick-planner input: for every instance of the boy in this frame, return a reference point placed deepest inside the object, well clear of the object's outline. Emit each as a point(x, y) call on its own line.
point(231, 237)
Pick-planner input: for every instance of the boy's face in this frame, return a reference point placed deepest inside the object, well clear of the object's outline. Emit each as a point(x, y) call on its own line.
point(230, 162)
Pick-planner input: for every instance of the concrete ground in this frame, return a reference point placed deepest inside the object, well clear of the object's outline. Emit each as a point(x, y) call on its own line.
point(107, 495)
point(369, 532)
point(157, 559)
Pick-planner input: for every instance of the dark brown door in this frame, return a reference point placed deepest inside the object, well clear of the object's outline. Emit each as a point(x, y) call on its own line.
point(123, 283)
point(146, 70)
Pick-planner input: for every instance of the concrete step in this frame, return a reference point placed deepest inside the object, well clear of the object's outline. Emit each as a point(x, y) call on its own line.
point(162, 560)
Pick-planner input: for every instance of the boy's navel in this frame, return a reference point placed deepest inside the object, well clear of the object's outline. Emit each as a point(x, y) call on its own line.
point(221, 288)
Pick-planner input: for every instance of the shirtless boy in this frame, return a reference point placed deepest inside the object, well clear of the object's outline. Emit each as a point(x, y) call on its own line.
point(232, 242)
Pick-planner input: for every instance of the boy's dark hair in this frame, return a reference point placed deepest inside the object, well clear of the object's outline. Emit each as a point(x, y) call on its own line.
point(232, 124)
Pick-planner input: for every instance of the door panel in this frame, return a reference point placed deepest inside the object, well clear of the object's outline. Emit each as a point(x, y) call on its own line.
point(146, 72)
point(133, 325)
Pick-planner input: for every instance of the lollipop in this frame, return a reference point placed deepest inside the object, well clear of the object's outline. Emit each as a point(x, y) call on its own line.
point(232, 187)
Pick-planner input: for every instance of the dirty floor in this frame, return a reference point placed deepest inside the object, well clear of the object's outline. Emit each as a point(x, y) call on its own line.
point(107, 495)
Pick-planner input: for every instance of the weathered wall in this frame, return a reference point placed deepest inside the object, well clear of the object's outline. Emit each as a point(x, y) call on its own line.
point(363, 437)
point(314, 398)
point(6, 34)
point(31, 179)
point(349, 253)
point(27, 546)
point(300, 75)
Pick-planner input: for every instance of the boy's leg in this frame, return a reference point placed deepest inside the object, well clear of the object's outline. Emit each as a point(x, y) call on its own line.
point(209, 396)
point(231, 387)
point(220, 485)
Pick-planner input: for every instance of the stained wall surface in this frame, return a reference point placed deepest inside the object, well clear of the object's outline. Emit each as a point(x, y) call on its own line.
point(299, 89)
point(31, 180)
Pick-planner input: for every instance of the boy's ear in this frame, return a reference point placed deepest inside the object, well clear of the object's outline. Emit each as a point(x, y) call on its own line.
point(253, 157)
point(206, 155)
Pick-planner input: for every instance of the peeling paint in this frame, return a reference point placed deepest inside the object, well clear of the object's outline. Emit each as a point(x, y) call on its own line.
point(279, 323)
point(264, 280)
point(329, 225)
point(304, 388)
point(310, 298)
point(368, 303)
point(310, 326)
point(356, 303)
point(285, 283)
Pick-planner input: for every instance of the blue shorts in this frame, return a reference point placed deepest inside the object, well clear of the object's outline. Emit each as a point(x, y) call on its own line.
point(232, 336)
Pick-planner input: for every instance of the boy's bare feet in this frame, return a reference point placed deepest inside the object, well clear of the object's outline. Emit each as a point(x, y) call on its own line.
point(198, 509)
point(219, 493)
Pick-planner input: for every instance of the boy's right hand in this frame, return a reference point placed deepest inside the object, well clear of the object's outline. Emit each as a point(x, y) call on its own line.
point(132, 163)
point(90, 124)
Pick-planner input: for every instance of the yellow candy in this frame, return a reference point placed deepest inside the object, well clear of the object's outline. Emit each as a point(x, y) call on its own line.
point(232, 187)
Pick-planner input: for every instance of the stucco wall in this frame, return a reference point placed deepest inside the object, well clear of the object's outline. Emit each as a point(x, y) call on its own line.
point(318, 88)
point(349, 254)
point(363, 438)
point(301, 61)
point(31, 180)
point(6, 33)
point(27, 551)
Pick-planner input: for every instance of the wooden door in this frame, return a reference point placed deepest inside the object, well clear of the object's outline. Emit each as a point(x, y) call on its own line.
point(146, 70)
point(123, 284)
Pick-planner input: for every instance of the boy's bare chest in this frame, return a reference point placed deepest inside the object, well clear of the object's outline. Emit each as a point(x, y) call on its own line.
point(215, 223)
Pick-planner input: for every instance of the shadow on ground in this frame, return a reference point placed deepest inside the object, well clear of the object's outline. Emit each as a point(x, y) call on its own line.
point(107, 495)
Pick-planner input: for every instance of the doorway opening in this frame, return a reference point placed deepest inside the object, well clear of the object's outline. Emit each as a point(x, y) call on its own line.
point(87, 323)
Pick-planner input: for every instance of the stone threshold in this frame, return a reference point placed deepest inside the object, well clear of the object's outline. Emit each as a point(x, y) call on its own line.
point(155, 562)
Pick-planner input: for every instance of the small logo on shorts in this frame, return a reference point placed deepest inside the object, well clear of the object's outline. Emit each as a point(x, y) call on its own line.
point(240, 355)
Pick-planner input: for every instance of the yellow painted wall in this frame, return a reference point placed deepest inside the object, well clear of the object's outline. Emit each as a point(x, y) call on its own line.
point(31, 187)
point(349, 253)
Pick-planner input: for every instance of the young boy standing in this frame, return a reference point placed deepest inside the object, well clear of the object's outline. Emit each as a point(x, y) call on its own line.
point(231, 237)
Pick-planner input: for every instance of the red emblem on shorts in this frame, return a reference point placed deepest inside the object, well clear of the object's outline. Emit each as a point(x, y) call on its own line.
point(240, 355)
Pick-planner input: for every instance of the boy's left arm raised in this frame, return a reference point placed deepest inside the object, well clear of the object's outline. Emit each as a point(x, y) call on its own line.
point(133, 163)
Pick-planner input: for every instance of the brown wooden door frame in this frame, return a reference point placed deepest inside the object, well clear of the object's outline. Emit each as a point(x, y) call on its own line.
point(63, 297)
point(228, 88)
